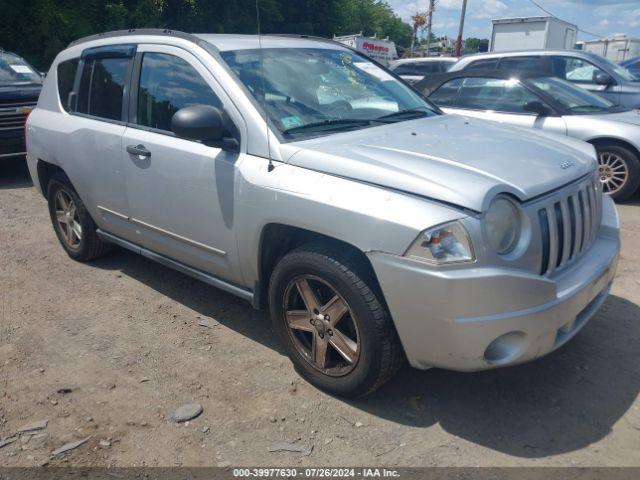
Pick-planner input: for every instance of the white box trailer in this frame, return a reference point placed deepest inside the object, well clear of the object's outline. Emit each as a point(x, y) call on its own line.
point(532, 33)
point(382, 51)
point(617, 49)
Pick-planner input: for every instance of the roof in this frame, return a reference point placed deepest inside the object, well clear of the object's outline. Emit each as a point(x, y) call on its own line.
point(224, 42)
point(499, 21)
point(425, 59)
point(221, 41)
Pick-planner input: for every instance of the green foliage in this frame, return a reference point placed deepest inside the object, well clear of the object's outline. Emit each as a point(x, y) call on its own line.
point(475, 45)
point(39, 29)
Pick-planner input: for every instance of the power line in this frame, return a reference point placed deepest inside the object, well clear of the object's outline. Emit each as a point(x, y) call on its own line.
point(555, 16)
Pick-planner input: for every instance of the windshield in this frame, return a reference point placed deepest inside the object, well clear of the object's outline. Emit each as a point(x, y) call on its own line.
point(14, 70)
point(575, 99)
point(310, 92)
point(620, 70)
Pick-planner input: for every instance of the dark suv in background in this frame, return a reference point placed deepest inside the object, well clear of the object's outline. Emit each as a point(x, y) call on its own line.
point(20, 86)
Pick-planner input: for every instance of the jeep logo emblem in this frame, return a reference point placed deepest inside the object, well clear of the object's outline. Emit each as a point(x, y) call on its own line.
point(567, 164)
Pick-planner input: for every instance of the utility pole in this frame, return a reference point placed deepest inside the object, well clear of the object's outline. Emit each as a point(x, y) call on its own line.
point(462, 15)
point(432, 6)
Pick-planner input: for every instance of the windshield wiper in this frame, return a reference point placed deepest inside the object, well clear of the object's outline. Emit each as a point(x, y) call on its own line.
point(400, 115)
point(330, 124)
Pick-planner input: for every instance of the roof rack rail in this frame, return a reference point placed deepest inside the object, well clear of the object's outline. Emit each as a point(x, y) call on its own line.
point(137, 31)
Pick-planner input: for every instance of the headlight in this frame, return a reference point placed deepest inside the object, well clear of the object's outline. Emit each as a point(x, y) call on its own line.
point(503, 225)
point(446, 243)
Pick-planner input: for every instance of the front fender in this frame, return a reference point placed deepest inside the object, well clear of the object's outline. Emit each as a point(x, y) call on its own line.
point(368, 217)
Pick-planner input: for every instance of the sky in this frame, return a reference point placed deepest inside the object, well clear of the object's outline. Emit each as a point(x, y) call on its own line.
point(601, 17)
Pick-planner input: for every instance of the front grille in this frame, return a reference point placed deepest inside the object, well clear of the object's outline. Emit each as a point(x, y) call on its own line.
point(568, 225)
point(10, 117)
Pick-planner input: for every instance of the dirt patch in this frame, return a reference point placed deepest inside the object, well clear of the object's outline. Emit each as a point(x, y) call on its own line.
point(109, 350)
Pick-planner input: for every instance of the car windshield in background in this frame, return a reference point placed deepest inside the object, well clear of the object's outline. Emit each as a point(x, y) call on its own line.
point(14, 70)
point(316, 91)
point(575, 99)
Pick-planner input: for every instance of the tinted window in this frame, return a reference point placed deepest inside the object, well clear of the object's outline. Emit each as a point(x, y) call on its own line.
point(447, 94)
point(167, 84)
point(66, 77)
point(522, 64)
point(488, 64)
point(422, 68)
point(494, 94)
point(102, 86)
point(574, 69)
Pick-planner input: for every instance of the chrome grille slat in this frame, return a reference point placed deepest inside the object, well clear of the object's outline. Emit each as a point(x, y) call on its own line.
point(586, 231)
point(566, 248)
point(568, 225)
point(553, 239)
point(577, 239)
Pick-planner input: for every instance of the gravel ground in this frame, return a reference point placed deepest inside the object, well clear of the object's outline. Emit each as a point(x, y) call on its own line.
point(109, 350)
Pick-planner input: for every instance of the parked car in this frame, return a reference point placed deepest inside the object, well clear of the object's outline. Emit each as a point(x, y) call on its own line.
point(20, 86)
point(415, 69)
point(373, 234)
point(586, 70)
point(551, 104)
point(633, 65)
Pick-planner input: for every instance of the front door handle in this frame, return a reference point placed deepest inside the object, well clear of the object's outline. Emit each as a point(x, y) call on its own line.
point(139, 150)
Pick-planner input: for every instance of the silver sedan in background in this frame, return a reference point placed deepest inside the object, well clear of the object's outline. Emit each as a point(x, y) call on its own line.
point(551, 104)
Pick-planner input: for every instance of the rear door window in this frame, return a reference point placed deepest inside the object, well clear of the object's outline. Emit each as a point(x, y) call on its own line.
point(447, 94)
point(522, 64)
point(66, 78)
point(494, 94)
point(102, 87)
point(167, 84)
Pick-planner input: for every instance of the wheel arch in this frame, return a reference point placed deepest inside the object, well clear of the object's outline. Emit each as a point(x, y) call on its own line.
point(46, 171)
point(597, 141)
point(278, 239)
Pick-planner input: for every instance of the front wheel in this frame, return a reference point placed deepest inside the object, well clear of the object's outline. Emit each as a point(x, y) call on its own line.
point(619, 171)
point(333, 326)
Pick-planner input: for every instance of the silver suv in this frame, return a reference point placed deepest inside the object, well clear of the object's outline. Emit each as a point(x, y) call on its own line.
point(302, 177)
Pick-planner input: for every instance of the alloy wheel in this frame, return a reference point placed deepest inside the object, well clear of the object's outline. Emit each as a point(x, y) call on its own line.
point(321, 325)
point(68, 219)
point(613, 172)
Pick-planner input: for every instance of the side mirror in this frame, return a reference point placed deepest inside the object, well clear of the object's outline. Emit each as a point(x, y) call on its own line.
point(199, 122)
point(601, 78)
point(537, 107)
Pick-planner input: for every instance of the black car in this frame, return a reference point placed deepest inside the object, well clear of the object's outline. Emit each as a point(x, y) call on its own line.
point(20, 86)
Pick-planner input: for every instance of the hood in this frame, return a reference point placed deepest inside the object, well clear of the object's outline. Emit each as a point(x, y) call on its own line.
point(448, 158)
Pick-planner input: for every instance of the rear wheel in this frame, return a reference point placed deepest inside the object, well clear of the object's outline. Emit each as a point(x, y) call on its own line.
point(71, 221)
point(619, 171)
point(333, 326)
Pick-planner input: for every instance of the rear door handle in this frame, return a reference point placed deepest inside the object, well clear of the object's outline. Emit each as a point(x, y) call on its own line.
point(139, 150)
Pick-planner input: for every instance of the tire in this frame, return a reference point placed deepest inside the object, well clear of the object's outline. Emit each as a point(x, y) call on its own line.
point(84, 244)
point(374, 347)
point(615, 160)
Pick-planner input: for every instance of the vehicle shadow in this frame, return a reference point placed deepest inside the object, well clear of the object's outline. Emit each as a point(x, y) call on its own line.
point(559, 403)
point(14, 173)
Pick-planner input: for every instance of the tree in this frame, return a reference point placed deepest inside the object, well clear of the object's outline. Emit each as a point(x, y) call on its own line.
point(39, 29)
point(475, 45)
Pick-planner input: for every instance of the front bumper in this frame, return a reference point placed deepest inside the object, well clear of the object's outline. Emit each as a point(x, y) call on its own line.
point(478, 318)
point(12, 143)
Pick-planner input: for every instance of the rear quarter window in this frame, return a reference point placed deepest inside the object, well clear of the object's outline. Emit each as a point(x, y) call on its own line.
point(66, 77)
point(102, 87)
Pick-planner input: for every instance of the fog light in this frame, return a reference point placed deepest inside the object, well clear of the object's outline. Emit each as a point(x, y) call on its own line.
point(505, 349)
